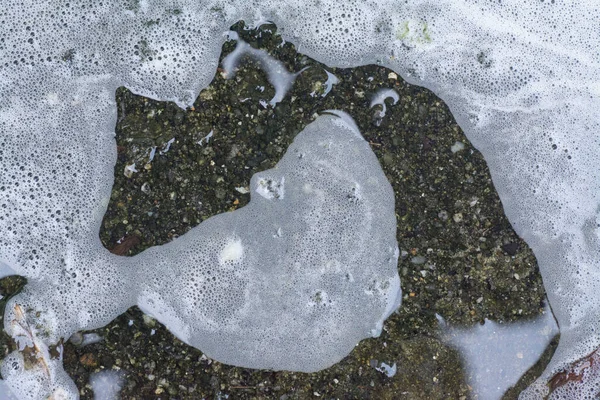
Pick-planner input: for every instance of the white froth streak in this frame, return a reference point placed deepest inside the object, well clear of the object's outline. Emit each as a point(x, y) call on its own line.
point(331, 80)
point(381, 96)
point(277, 74)
point(107, 384)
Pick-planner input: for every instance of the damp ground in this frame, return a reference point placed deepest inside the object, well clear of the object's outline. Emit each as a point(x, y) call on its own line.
point(460, 258)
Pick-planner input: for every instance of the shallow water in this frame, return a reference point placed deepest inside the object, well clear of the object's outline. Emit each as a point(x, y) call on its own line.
point(497, 355)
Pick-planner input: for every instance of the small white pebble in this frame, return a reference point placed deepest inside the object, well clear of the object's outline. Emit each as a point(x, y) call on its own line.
point(458, 146)
point(129, 170)
point(148, 320)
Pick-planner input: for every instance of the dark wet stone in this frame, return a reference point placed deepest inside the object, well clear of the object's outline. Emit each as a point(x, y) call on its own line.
point(511, 248)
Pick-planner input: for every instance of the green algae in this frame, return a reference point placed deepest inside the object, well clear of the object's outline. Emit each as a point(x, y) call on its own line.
point(420, 35)
point(460, 257)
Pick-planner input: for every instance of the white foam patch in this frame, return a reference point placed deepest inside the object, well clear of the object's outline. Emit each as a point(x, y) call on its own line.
point(331, 80)
point(232, 252)
point(91, 338)
point(457, 146)
point(5, 392)
point(38, 381)
point(107, 384)
point(379, 99)
point(271, 188)
point(388, 370)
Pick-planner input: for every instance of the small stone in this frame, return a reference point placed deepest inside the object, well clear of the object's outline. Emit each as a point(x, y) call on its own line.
point(76, 338)
point(418, 260)
point(443, 215)
point(106, 361)
point(89, 360)
point(457, 146)
point(149, 321)
point(393, 76)
point(388, 159)
point(511, 248)
point(220, 193)
point(458, 217)
point(129, 170)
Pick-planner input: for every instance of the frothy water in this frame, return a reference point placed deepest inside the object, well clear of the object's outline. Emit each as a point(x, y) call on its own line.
point(521, 79)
